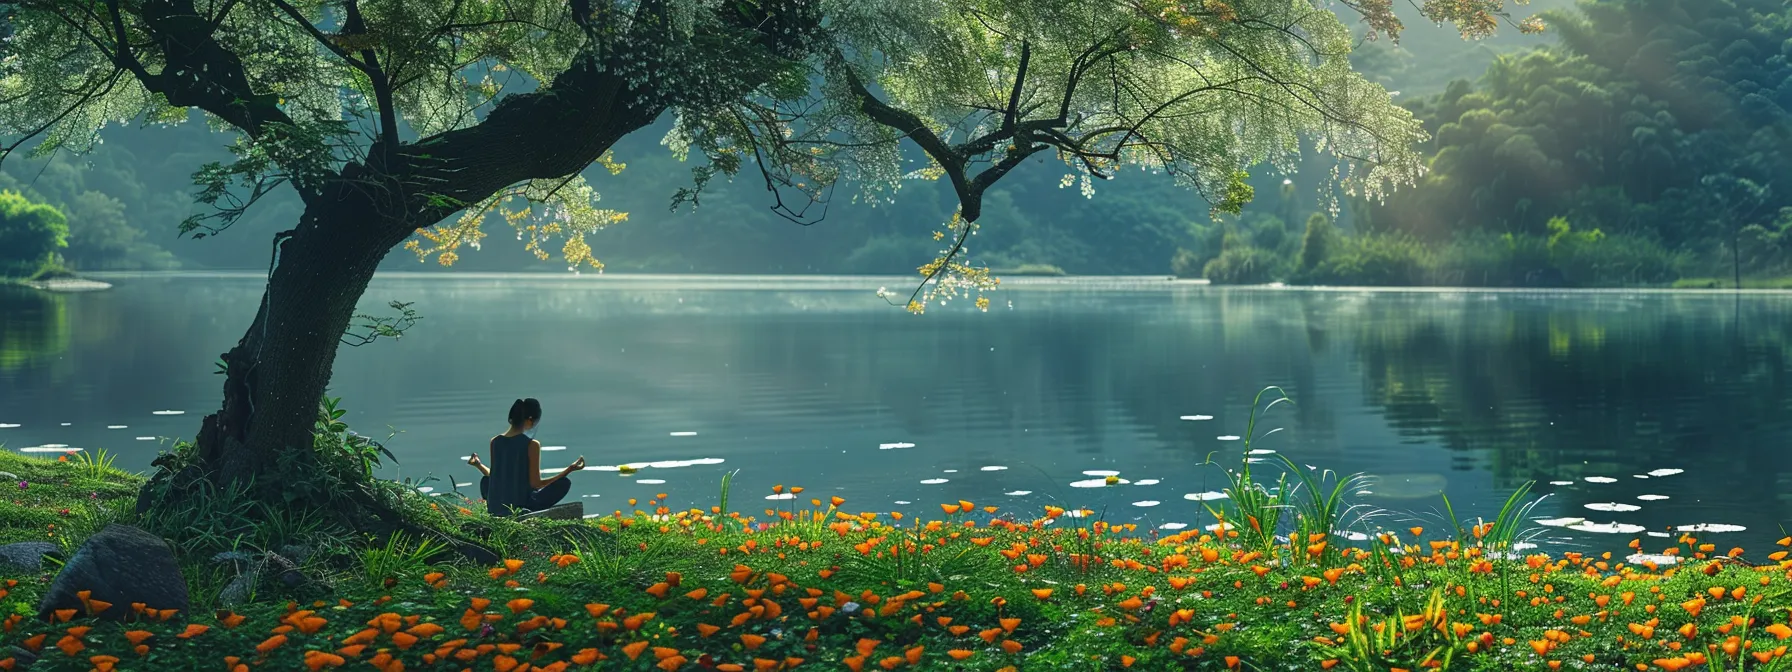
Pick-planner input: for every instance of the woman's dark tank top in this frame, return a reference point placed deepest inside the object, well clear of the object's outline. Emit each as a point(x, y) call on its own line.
point(509, 485)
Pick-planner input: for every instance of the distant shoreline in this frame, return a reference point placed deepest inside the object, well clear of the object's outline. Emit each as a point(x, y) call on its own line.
point(809, 281)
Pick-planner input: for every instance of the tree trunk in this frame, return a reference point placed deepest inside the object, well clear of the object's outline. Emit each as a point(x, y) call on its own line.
point(276, 374)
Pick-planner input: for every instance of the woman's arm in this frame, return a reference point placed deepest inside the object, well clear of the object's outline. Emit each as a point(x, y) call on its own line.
point(474, 460)
point(535, 479)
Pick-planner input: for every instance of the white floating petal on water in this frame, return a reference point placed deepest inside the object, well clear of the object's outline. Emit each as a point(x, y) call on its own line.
point(463, 485)
point(1560, 522)
point(894, 446)
point(590, 495)
point(1197, 417)
point(933, 481)
point(1261, 451)
point(1350, 535)
point(117, 426)
point(1561, 482)
point(1615, 507)
point(1651, 498)
point(1663, 535)
point(1606, 528)
point(65, 424)
point(782, 495)
point(553, 447)
point(1146, 481)
point(1710, 527)
point(1172, 526)
point(1018, 493)
point(1100, 472)
point(1148, 502)
point(1097, 483)
point(1228, 437)
point(146, 438)
point(902, 501)
point(1204, 496)
point(1639, 475)
point(1600, 479)
point(650, 481)
point(950, 471)
point(684, 433)
point(9, 425)
point(1666, 472)
point(168, 412)
point(993, 467)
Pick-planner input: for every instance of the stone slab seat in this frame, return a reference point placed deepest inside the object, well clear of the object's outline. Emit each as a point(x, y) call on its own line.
point(568, 511)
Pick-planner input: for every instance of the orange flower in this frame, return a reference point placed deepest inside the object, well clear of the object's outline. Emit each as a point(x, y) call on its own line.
point(1042, 593)
point(193, 630)
point(751, 641)
point(270, 644)
point(634, 650)
point(520, 605)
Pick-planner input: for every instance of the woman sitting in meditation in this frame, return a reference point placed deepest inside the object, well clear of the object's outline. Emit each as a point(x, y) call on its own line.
point(514, 484)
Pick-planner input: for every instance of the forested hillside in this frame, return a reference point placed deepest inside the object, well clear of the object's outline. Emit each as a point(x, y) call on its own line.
point(1635, 142)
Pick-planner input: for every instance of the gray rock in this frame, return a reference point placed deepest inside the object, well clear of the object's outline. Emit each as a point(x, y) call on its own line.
point(121, 564)
point(239, 590)
point(28, 554)
point(571, 511)
point(297, 553)
point(22, 657)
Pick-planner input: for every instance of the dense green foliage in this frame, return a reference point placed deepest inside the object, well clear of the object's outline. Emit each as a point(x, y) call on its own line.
point(30, 233)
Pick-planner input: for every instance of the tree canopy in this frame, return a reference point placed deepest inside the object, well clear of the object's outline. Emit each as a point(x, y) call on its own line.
point(29, 233)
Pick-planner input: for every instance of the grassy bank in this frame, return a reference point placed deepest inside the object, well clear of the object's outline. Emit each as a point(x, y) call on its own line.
point(975, 588)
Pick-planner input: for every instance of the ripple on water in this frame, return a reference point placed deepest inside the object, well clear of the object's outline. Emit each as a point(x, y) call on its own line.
point(10, 425)
point(1228, 437)
point(993, 467)
point(49, 448)
point(1097, 483)
point(1172, 526)
point(1561, 482)
point(1204, 496)
point(1560, 522)
point(168, 412)
point(1018, 493)
point(683, 433)
point(553, 447)
point(1650, 558)
point(1148, 502)
point(117, 426)
point(1197, 418)
point(1710, 527)
point(781, 495)
point(1613, 507)
point(1666, 472)
point(1100, 472)
point(1599, 479)
point(1146, 481)
point(1651, 498)
point(1606, 528)
point(651, 481)
point(145, 438)
point(894, 446)
point(933, 481)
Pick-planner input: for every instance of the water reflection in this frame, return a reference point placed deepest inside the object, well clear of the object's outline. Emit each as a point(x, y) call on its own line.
point(1597, 397)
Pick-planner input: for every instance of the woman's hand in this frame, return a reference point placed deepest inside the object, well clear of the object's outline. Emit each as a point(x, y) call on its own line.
point(578, 464)
point(473, 460)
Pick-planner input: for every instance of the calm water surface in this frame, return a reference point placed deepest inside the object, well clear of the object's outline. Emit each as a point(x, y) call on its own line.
point(816, 382)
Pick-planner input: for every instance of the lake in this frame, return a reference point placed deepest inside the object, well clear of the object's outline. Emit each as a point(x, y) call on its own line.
point(1633, 411)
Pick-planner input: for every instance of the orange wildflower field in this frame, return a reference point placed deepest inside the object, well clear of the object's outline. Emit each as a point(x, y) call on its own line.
point(816, 586)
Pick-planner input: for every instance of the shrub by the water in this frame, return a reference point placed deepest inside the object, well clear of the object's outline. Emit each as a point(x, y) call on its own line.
point(29, 234)
point(1242, 265)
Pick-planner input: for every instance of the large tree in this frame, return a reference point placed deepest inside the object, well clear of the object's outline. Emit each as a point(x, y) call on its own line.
point(389, 117)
